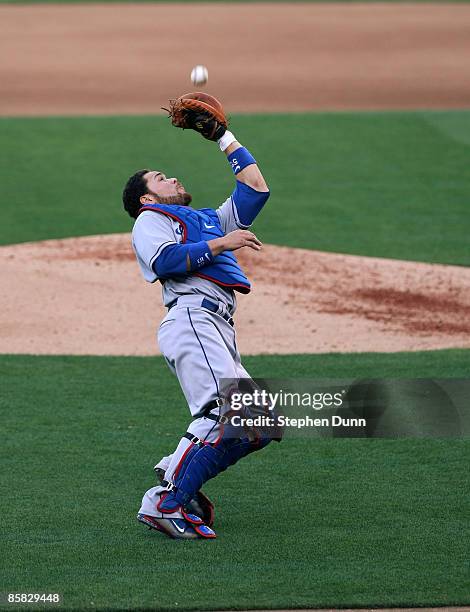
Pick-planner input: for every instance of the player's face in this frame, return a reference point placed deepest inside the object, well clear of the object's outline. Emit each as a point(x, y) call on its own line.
point(164, 190)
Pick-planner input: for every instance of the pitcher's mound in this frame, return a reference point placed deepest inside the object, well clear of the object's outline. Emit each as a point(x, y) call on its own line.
point(86, 296)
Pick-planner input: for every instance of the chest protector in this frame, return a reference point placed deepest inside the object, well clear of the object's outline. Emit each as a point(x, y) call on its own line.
point(202, 225)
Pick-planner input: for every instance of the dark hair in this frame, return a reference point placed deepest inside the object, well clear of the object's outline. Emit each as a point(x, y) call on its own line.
point(135, 187)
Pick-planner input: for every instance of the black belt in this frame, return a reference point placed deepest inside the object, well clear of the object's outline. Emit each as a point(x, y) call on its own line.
point(212, 306)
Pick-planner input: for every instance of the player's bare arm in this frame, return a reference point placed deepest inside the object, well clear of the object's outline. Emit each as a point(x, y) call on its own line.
point(251, 190)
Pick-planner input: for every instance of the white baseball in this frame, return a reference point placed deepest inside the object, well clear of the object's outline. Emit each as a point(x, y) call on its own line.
point(199, 75)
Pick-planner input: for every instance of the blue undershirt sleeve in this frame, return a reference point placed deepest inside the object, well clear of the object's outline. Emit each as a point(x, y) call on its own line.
point(248, 202)
point(172, 261)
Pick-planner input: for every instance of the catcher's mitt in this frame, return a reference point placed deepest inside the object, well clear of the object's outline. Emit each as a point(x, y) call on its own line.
point(200, 112)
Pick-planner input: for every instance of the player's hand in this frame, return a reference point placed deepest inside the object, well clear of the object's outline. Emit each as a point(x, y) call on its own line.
point(233, 241)
point(241, 238)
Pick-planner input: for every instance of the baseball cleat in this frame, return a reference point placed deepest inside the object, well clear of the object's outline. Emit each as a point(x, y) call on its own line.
point(175, 528)
point(193, 519)
point(205, 532)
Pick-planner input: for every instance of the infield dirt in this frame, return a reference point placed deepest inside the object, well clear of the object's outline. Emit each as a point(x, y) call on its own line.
point(86, 296)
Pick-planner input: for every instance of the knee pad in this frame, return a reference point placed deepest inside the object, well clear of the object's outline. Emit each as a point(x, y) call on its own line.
point(240, 448)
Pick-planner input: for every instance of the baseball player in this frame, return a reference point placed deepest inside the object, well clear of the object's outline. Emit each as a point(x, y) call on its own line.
point(190, 251)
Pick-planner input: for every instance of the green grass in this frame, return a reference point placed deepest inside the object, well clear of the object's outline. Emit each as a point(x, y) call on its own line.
point(383, 184)
point(304, 523)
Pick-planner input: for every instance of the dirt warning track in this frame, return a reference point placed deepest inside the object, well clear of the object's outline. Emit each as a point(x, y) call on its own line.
point(114, 59)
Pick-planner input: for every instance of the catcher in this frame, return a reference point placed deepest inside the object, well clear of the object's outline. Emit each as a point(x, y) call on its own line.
point(190, 251)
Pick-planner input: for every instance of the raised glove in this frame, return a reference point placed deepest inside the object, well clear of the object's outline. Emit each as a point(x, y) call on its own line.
point(200, 112)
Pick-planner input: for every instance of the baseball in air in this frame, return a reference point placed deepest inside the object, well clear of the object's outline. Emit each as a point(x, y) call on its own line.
point(199, 75)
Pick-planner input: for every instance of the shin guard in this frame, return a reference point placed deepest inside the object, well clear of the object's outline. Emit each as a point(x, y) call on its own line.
point(205, 462)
